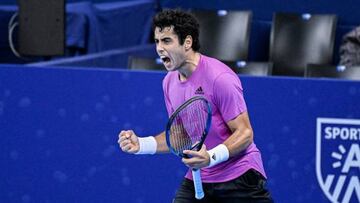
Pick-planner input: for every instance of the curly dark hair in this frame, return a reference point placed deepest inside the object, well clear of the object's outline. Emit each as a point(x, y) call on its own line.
point(184, 24)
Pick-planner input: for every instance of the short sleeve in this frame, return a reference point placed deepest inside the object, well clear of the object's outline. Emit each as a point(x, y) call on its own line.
point(228, 96)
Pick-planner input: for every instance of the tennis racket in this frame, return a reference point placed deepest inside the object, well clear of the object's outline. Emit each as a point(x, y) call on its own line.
point(187, 129)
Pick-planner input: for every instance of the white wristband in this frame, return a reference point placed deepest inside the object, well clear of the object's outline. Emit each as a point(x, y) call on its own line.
point(218, 154)
point(147, 145)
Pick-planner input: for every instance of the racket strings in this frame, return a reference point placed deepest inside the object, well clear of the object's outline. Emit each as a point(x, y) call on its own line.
point(188, 126)
point(179, 137)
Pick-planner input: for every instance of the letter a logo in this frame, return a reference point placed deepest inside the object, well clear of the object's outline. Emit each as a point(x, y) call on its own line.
point(338, 159)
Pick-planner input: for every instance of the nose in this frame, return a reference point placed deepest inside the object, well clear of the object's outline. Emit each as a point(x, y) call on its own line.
point(159, 48)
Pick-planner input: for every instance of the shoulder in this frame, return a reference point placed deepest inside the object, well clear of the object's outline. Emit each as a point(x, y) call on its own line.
point(215, 68)
point(226, 79)
point(218, 72)
point(168, 78)
point(166, 82)
point(213, 62)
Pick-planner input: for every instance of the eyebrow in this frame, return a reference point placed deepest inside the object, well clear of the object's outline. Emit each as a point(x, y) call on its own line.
point(163, 39)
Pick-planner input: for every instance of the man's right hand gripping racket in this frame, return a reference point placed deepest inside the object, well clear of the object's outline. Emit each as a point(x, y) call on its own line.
point(187, 129)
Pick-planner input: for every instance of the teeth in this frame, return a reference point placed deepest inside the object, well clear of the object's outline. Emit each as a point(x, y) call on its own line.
point(164, 59)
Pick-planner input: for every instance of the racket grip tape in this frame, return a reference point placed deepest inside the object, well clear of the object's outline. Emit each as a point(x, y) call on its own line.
point(199, 192)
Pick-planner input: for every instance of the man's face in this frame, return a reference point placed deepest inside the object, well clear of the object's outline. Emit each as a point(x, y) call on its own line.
point(169, 49)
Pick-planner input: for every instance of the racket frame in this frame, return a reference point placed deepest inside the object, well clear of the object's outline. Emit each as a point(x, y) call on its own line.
point(199, 192)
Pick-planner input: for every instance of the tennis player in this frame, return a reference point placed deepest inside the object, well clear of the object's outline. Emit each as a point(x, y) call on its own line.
point(230, 163)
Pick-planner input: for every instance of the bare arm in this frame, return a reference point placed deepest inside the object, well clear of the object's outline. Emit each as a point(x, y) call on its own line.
point(242, 134)
point(161, 143)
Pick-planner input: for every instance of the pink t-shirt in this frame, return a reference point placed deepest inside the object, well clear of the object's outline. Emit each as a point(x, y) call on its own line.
point(222, 88)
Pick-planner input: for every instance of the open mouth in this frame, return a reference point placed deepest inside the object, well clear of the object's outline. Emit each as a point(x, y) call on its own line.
point(165, 59)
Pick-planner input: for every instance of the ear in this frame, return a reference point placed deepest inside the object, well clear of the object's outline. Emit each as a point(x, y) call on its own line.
point(188, 42)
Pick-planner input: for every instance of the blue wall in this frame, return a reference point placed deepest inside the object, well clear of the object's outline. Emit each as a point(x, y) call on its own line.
point(59, 126)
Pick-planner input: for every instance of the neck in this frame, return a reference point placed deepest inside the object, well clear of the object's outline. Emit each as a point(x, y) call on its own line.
point(189, 65)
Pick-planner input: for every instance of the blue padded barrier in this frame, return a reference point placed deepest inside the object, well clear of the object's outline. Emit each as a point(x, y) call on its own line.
point(59, 127)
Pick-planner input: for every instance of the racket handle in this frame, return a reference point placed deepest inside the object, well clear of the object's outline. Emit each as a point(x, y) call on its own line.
point(199, 192)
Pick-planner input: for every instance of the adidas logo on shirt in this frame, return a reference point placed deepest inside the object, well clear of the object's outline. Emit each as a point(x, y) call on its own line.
point(199, 90)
